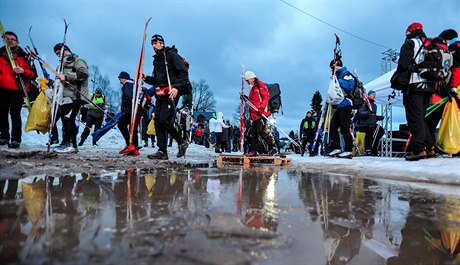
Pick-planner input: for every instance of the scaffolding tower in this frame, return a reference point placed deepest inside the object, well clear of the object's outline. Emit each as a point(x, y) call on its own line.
point(387, 139)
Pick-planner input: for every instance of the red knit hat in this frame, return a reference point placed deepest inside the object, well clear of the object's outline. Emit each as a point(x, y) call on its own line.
point(412, 27)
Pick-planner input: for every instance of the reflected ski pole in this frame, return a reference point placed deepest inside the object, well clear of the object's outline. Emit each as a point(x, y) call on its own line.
point(269, 121)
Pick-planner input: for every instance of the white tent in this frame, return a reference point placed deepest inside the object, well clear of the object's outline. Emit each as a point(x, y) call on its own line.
point(381, 85)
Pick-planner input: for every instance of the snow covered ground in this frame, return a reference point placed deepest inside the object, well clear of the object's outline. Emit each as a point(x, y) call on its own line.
point(434, 170)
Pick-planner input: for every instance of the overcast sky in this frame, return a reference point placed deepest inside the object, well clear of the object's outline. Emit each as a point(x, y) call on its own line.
point(275, 40)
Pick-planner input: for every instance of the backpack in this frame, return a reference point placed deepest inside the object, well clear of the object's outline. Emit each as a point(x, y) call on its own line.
point(188, 86)
point(436, 60)
point(356, 96)
point(274, 104)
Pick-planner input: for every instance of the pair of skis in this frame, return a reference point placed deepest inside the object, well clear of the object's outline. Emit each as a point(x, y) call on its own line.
point(13, 64)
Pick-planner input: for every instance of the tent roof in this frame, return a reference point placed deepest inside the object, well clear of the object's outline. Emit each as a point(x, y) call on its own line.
point(381, 85)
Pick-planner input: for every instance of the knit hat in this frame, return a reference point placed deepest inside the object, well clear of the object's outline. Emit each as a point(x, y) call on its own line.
point(308, 112)
point(412, 27)
point(370, 92)
point(98, 91)
point(156, 38)
point(58, 47)
point(448, 34)
point(123, 74)
point(248, 75)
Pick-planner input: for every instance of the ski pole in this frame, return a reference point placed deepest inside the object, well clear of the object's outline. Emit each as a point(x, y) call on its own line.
point(355, 142)
point(265, 117)
point(407, 142)
point(438, 104)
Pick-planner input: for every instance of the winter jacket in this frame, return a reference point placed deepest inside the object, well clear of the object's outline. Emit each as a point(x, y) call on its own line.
point(93, 110)
point(220, 124)
point(307, 126)
point(407, 63)
point(454, 47)
point(366, 117)
point(347, 83)
point(212, 124)
point(178, 73)
point(127, 96)
point(7, 77)
point(259, 97)
point(76, 76)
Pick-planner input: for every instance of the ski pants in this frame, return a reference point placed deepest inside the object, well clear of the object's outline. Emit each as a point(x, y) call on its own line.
point(124, 124)
point(258, 128)
point(342, 120)
point(433, 119)
point(90, 121)
point(69, 112)
point(11, 103)
point(373, 135)
point(165, 114)
point(416, 104)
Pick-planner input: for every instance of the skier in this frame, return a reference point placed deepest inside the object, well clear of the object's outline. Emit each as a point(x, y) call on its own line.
point(75, 78)
point(259, 97)
point(169, 77)
point(307, 132)
point(126, 110)
point(11, 94)
point(342, 116)
point(94, 115)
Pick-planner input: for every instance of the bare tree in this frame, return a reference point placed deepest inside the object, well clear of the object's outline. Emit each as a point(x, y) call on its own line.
point(103, 82)
point(203, 97)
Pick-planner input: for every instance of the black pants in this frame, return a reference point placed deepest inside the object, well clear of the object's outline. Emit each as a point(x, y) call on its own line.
point(124, 124)
point(258, 128)
point(373, 135)
point(416, 104)
point(69, 113)
point(433, 119)
point(342, 120)
point(11, 103)
point(90, 121)
point(164, 123)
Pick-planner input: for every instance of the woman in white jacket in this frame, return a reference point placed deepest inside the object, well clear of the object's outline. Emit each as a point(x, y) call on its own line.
point(220, 124)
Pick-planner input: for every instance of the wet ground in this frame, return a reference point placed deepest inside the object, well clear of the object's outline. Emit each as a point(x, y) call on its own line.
point(226, 216)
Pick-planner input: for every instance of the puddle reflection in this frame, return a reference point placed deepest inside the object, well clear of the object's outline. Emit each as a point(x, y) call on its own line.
point(213, 215)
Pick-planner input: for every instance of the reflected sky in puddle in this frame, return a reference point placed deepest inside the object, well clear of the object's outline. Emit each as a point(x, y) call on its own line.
point(213, 216)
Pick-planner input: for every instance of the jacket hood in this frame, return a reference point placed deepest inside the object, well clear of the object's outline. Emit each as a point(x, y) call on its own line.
point(220, 115)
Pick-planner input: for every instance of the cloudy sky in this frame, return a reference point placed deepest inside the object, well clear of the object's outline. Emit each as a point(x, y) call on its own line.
point(288, 42)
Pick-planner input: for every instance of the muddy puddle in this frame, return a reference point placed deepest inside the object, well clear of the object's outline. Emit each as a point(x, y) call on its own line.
point(226, 216)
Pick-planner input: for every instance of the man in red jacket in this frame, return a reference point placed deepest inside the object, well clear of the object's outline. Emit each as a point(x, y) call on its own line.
point(259, 97)
point(11, 94)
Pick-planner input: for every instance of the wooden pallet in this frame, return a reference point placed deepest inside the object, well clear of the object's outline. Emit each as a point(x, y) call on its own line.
point(224, 160)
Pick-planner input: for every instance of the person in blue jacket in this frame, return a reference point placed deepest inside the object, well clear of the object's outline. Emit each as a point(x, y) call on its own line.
point(342, 116)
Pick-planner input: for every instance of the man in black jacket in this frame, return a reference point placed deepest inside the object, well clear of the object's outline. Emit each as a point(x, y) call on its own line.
point(366, 121)
point(307, 131)
point(169, 79)
point(416, 97)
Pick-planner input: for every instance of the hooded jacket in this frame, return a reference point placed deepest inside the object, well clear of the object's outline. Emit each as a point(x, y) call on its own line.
point(259, 97)
point(178, 73)
point(220, 124)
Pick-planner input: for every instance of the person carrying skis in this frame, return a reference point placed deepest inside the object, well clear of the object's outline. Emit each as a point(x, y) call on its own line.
point(169, 77)
point(342, 115)
point(307, 131)
point(94, 115)
point(126, 109)
point(259, 97)
point(416, 97)
point(366, 121)
point(11, 94)
point(75, 80)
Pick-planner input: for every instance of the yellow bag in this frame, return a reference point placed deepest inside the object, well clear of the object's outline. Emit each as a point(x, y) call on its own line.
point(151, 127)
point(39, 116)
point(448, 139)
point(361, 139)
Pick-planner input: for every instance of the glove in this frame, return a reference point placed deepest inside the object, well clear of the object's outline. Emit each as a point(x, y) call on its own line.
point(452, 93)
point(244, 97)
point(379, 118)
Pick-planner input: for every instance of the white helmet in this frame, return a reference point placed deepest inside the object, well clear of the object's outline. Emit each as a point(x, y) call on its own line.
point(248, 75)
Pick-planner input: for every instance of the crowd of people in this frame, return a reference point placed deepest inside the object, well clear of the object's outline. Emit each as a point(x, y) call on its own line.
point(162, 120)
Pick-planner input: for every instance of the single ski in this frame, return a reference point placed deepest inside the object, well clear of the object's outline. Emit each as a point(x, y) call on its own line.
point(45, 73)
point(242, 112)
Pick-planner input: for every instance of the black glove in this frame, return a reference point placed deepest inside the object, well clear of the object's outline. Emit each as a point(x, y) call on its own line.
point(452, 93)
point(379, 118)
point(244, 97)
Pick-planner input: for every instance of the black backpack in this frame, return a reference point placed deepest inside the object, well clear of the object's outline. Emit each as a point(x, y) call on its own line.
point(187, 90)
point(274, 104)
point(437, 60)
point(357, 96)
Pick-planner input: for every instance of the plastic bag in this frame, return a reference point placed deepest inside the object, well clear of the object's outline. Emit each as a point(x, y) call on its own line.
point(448, 139)
point(334, 93)
point(39, 116)
point(151, 127)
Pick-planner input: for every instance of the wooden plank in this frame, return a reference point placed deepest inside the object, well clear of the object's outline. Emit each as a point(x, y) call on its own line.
point(246, 161)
